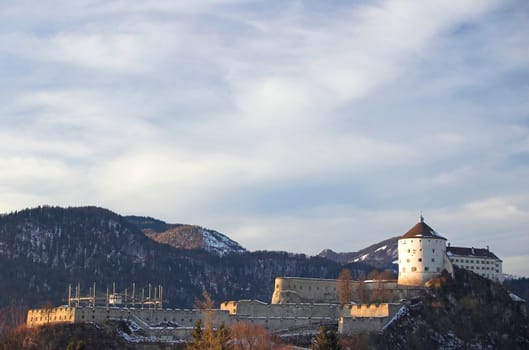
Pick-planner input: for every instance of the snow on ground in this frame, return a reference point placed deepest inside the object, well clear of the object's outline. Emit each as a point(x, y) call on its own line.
point(381, 248)
point(215, 242)
point(403, 311)
point(516, 298)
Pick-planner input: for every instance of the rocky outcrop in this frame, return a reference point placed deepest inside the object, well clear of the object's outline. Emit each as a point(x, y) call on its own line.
point(466, 312)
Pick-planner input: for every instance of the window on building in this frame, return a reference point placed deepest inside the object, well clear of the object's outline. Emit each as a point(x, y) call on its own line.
point(433, 259)
point(403, 269)
point(407, 260)
point(433, 250)
point(426, 268)
point(420, 259)
point(413, 269)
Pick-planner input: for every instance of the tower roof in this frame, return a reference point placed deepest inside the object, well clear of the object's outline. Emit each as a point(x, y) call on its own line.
point(422, 230)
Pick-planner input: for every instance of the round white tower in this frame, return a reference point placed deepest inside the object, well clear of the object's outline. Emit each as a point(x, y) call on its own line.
point(421, 255)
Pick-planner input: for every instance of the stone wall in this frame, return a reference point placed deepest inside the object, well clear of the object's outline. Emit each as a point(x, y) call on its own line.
point(254, 308)
point(290, 290)
point(296, 290)
point(177, 324)
point(146, 317)
point(350, 325)
point(42, 316)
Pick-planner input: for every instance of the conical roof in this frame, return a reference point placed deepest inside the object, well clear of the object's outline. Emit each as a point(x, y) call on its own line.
point(422, 230)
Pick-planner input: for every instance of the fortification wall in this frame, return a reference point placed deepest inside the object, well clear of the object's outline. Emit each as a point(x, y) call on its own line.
point(62, 314)
point(372, 310)
point(278, 324)
point(292, 290)
point(296, 290)
point(255, 308)
point(182, 318)
point(350, 325)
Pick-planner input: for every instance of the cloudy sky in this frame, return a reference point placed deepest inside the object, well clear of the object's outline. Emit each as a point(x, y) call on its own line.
point(288, 125)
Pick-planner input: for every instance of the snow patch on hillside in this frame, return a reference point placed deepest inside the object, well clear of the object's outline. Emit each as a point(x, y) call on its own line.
point(217, 243)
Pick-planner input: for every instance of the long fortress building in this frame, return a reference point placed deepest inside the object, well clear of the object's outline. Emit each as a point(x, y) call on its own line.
point(297, 304)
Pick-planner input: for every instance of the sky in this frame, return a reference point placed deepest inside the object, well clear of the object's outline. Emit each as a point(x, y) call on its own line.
point(287, 125)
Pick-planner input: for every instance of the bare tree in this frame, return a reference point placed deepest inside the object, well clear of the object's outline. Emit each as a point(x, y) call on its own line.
point(12, 316)
point(246, 336)
point(344, 287)
point(361, 289)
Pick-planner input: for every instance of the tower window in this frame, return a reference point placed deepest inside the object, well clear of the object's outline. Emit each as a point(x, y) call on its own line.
point(426, 268)
point(413, 269)
point(433, 259)
point(420, 259)
point(433, 250)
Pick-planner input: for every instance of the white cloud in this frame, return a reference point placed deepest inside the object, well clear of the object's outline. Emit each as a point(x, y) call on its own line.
point(182, 110)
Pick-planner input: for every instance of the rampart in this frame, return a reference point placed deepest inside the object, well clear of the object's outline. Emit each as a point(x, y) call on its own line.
point(150, 317)
point(351, 325)
point(367, 318)
point(256, 308)
point(289, 290)
point(297, 304)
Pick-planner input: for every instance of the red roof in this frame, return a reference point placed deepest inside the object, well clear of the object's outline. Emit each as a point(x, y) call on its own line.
point(421, 230)
point(477, 252)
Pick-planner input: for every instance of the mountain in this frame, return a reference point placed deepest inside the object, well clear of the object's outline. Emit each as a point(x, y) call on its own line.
point(44, 249)
point(186, 236)
point(380, 255)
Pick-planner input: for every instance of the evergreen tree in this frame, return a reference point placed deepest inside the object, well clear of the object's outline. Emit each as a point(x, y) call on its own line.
point(326, 340)
point(222, 335)
point(198, 336)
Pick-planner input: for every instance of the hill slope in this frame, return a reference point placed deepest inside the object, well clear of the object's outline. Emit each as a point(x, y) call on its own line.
point(379, 255)
point(468, 312)
point(186, 236)
point(44, 249)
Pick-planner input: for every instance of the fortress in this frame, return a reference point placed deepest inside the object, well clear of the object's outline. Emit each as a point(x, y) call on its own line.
point(297, 304)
